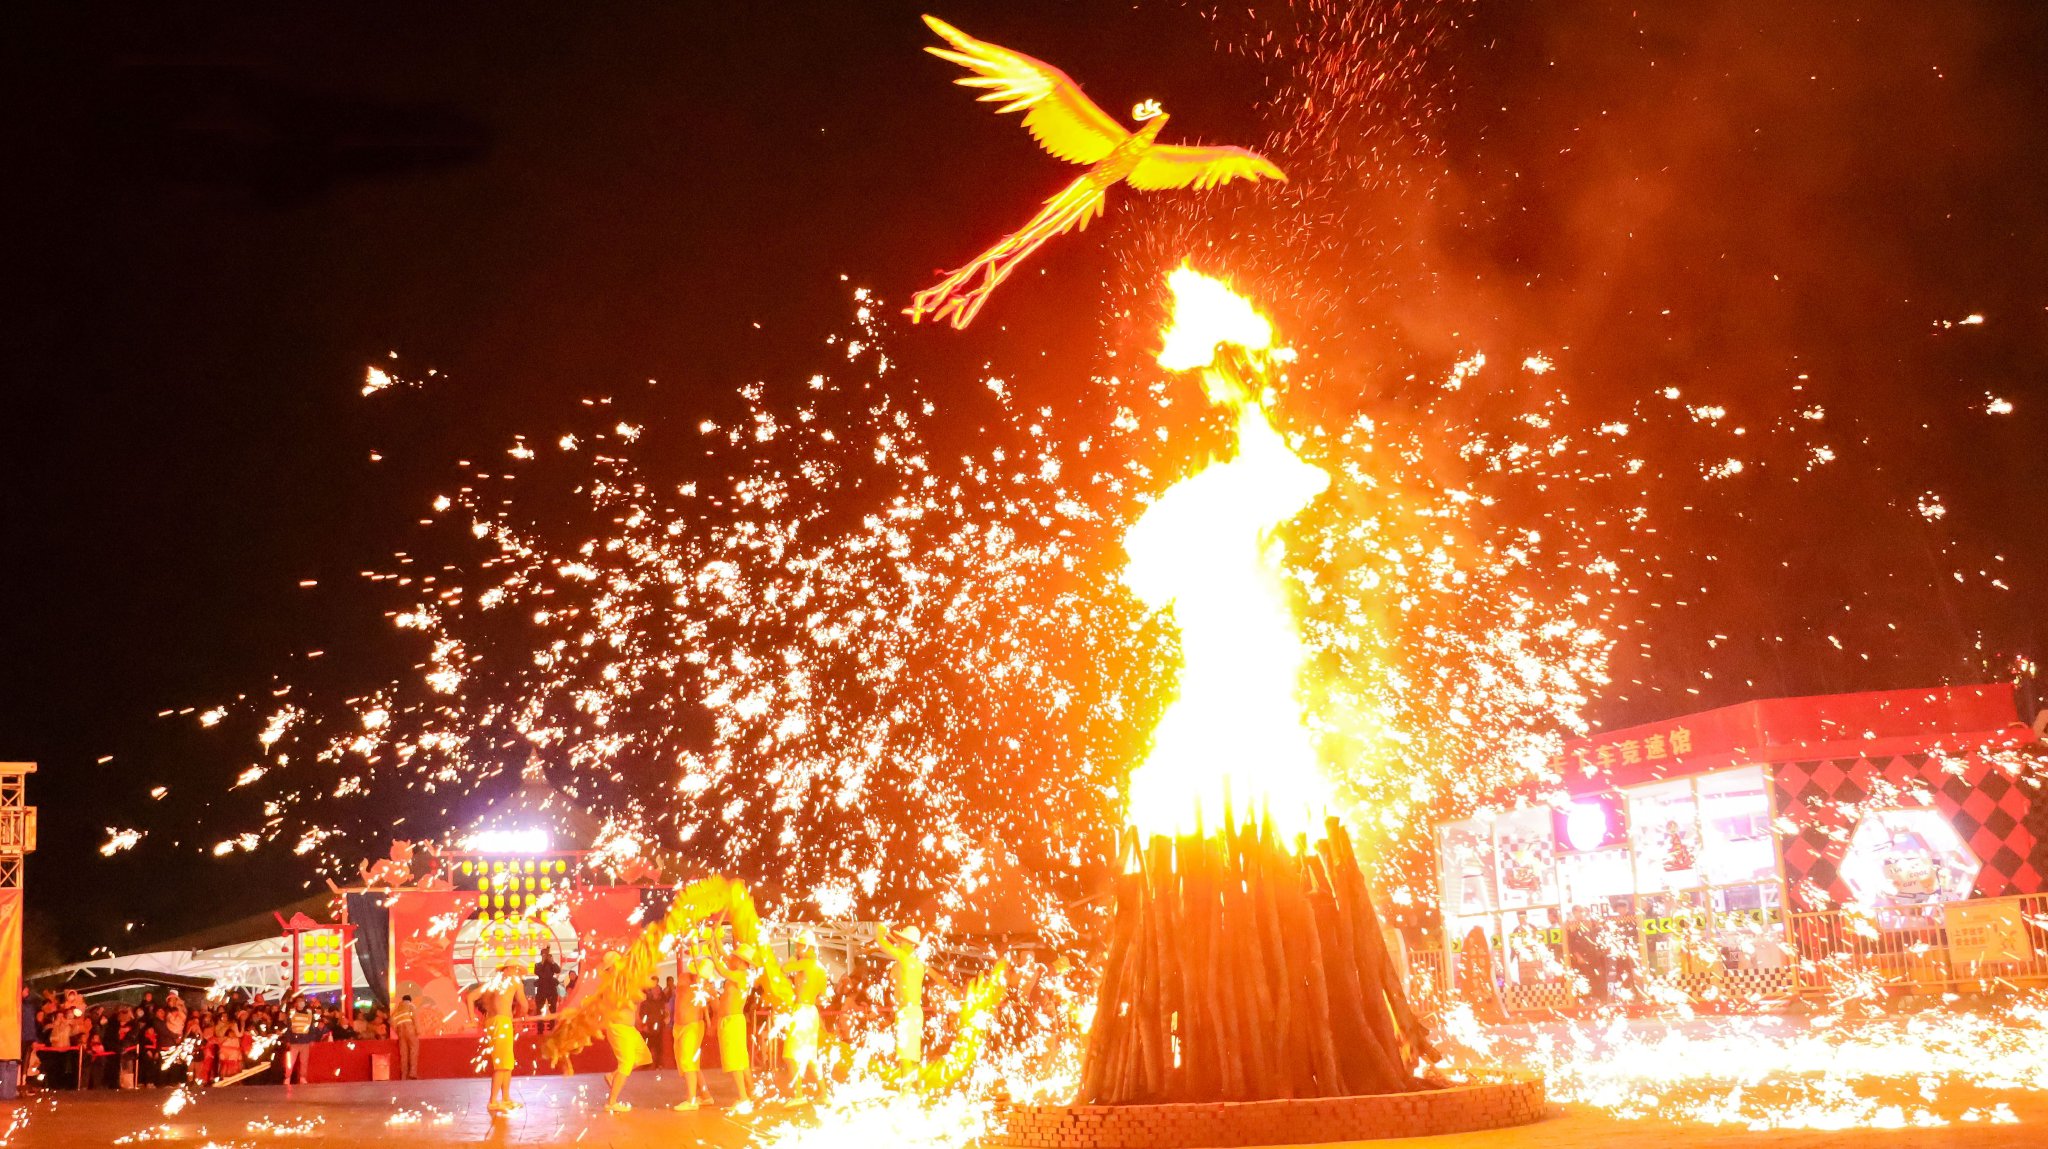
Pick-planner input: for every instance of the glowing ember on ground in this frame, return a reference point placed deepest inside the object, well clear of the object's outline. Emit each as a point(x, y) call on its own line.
point(424, 1115)
point(1923, 1069)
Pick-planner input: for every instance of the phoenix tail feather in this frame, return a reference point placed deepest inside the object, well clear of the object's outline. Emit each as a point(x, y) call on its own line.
point(957, 300)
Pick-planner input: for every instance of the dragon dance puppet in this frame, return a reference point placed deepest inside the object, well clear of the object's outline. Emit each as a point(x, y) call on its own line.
point(624, 978)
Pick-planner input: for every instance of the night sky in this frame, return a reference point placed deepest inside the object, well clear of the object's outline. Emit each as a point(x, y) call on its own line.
point(224, 212)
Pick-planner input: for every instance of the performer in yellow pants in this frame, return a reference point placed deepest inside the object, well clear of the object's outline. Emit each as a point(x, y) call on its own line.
point(906, 947)
point(500, 998)
point(694, 979)
point(628, 1047)
point(731, 1013)
point(807, 981)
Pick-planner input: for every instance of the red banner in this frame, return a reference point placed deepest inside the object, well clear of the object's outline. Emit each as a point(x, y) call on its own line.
point(1957, 718)
point(10, 974)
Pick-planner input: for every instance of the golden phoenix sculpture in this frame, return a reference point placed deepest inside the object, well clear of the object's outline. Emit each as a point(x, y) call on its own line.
point(1069, 126)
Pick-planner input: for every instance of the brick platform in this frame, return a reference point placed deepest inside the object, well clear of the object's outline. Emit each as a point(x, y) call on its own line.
point(1211, 1125)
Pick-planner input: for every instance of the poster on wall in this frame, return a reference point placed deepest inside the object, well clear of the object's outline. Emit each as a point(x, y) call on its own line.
point(1664, 826)
point(1907, 858)
point(1465, 862)
point(1526, 854)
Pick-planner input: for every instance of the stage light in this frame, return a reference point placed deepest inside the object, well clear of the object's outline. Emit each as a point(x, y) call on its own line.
point(531, 841)
point(1585, 825)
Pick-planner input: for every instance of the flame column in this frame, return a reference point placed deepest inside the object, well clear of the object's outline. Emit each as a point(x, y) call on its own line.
point(1246, 962)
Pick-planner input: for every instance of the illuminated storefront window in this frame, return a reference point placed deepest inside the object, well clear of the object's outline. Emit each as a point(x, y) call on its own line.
point(1735, 828)
point(1664, 834)
point(1465, 860)
point(1688, 869)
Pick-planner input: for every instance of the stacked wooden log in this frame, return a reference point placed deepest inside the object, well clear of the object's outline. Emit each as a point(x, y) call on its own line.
point(1239, 970)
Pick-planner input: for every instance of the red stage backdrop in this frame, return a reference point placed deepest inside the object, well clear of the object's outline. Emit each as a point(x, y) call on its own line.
point(434, 942)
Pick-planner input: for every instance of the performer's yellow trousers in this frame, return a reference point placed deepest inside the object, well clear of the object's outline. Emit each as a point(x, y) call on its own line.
point(499, 1032)
point(732, 1043)
point(689, 1043)
point(909, 1034)
point(628, 1046)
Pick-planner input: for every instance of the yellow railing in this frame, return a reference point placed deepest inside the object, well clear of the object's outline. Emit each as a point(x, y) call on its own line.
point(1975, 946)
point(1985, 945)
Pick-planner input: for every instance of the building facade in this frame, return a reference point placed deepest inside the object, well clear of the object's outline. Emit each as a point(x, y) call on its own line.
point(1724, 846)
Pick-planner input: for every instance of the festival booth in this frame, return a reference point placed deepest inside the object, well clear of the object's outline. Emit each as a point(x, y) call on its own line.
point(1880, 834)
point(475, 913)
point(429, 926)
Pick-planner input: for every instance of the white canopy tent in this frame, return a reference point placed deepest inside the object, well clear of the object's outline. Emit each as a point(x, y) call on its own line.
point(260, 966)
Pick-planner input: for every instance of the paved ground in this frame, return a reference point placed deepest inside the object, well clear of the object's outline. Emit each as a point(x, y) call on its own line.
point(567, 1111)
point(558, 1111)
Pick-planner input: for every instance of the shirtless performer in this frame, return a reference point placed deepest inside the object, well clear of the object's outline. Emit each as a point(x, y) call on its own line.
point(628, 1047)
point(737, 973)
point(695, 980)
point(906, 946)
point(807, 980)
point(500, 999)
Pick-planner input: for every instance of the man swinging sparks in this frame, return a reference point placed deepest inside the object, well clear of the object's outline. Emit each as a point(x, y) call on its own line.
point(807, 981)
point(906, 948)
point(1068, 125)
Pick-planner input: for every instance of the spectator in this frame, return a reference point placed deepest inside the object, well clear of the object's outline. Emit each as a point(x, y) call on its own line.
point(170, 1069)
point(29, 1009)
point(301, 1031)
point(150, 1064)
point(199, 1047)
point(227, 1037)
point(547, 985)
point(174, 1012)
point(405, 1027)
point(94, 1073)
point(666, 1000)
point(130, 1047)
point(651, 1011)
point(60, 1070)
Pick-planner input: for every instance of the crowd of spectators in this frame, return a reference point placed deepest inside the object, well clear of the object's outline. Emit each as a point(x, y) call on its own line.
point(163, 1040)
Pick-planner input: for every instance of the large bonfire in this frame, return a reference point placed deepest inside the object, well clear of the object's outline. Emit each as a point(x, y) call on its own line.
point(1243, 963)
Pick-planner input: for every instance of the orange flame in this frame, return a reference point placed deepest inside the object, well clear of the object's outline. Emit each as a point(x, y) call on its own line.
point(1210, 550)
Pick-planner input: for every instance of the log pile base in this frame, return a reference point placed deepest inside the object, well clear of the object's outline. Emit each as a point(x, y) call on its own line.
point(1298, 1121)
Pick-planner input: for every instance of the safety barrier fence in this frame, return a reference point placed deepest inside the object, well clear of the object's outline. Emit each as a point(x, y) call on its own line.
point(1987, 945)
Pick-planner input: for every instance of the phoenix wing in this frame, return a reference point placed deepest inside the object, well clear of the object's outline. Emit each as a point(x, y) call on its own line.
point(1180, 166)
point(1062, 120)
